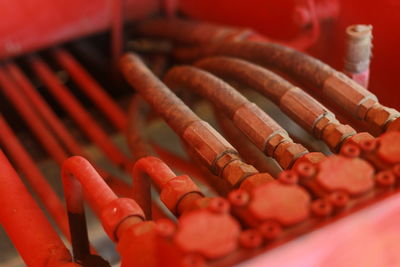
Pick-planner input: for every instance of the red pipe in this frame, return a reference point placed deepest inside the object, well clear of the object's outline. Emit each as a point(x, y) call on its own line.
point(79, 177)
point(258, 126)
point(161, 175)
point(47, 196)
point(76, 110)
point(91, 88)
point(159, 172)
point(44, 110)
point(25, 224)
point(41, 132)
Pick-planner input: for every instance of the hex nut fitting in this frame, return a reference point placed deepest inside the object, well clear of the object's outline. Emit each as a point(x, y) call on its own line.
point(334, 135)
point(175, 189)
point(236, 171)
point(286, 154)
point(206, 143)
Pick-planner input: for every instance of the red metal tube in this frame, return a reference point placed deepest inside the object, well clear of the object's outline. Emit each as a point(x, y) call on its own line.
point(44, 110)
point(26, 225)
point(159, 172)
point(136, 139)
point(141, 148)
point(117, 26)
point(80, 115)
point(79, 177)
point(175, 190)
point(47, 196)
point(91, 88)
point(183, 165)
point(247, 150)
point(153, 167)
point(11, 90)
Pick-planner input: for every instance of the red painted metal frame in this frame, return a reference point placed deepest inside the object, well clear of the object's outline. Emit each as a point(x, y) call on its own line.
point(28, 25)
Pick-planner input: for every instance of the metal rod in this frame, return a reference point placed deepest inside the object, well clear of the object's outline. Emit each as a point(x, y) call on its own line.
point(12, 92)
point(92, 88)
point(25, 163)
point(25, 223)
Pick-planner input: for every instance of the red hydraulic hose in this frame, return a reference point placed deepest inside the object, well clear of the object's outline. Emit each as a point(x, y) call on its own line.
point(76, 110)
point(47, 196)
point(175, 194)
point(181, 164)
point(258, 126)
point(91, 88)
point(135, 136)
point(25, 224)
point(11, 90)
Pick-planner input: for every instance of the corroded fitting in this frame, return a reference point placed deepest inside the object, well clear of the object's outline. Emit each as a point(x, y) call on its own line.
point(209, 146)
point(358, 48)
